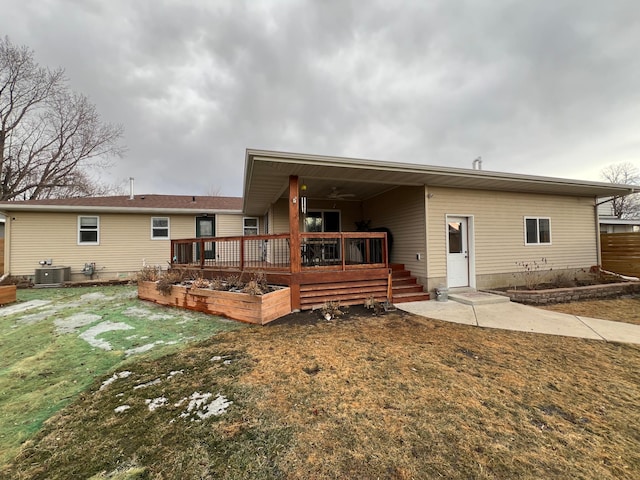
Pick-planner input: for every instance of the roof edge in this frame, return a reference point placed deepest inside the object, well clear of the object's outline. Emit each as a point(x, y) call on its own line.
point(84, 208)
point(287, 157)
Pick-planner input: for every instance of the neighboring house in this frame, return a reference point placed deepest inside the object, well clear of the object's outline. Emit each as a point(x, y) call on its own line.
point(609, 223)
point(116, 235)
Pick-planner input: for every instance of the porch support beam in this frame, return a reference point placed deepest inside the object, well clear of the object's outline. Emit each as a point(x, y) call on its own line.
point(294, 242)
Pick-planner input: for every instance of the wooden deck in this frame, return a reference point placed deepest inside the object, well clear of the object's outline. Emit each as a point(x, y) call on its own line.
point(349, 267)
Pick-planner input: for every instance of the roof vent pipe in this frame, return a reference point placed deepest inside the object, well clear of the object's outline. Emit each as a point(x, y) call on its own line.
point(477, 163)
point(131, 196)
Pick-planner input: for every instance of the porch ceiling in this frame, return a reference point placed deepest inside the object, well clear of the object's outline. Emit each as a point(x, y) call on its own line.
point(267, 179)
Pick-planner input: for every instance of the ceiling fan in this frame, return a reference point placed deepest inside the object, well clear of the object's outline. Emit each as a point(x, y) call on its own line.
point(336, 195)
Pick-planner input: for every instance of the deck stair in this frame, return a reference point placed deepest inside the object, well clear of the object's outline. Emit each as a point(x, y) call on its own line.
point(405, 289)
point(405, 286)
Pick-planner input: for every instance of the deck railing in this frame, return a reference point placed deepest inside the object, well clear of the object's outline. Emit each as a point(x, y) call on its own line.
point(269, 252)
point(333, 251)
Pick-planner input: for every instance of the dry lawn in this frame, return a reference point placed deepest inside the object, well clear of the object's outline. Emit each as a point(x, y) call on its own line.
point(394, 396)
point(625, 309)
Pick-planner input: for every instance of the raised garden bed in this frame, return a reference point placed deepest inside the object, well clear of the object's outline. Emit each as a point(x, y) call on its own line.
point(570, 294)
point(7, 294)
point(258, 309)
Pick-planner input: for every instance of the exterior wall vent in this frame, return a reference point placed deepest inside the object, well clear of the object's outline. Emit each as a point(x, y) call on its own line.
point(51, 276)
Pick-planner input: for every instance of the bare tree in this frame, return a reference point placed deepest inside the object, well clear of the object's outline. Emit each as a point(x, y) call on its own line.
point(624, 174)
point(49, 135)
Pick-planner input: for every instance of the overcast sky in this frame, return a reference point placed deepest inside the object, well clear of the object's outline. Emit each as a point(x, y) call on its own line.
point(534, 87)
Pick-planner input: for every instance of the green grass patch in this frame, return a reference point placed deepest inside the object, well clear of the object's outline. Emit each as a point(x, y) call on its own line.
point(48, 357)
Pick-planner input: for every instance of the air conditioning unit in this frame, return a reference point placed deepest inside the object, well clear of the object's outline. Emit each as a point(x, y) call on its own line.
point(51, 276)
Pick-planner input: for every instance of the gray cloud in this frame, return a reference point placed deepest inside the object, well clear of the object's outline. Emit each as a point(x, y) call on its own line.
point(547, 88)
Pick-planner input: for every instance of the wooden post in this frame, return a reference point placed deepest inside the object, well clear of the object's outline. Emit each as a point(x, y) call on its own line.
point(241, 255)
point(201, 253)
point(294, 241)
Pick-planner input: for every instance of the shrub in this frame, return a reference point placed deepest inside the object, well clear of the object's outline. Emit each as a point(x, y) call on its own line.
point(149, 274)
point(253, 288)
point(532, 273)
point(167, 280)
point(201, 283)
point(218, 284)
point(332, 309)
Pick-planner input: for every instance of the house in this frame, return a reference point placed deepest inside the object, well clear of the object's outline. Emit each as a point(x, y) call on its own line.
point(112, 237)
point(609, 223)
point(330, 228)
point(450, 227)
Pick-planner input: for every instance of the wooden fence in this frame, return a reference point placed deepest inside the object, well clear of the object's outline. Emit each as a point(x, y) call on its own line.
point(621, 253)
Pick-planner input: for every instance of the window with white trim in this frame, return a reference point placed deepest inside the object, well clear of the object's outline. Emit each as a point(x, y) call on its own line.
point(88, 230)
point(250, 226)
point(537, 230)
point(159, 228)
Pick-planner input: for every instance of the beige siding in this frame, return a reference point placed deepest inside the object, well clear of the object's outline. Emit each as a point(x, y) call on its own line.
point(125, 242)
point(280, 217)
point(402, 210)
point(498, 221)
point(228, 225)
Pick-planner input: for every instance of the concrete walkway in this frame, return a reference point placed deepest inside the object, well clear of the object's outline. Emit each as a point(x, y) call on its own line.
point(494, 311)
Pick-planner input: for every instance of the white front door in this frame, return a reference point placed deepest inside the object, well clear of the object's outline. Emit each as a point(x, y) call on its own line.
point(457, 252)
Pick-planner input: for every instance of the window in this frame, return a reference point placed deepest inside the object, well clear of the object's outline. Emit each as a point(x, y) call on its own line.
point(322, 221)
point(250, 226)
point(159, 228)
point(88, 230)
point(537, 230)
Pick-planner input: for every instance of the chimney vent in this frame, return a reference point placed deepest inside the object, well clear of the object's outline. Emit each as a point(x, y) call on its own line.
point(131, 196)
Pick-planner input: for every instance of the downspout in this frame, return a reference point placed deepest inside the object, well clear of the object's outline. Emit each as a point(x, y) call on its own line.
point(598, 244)
point(427, 196)
point(7, 244)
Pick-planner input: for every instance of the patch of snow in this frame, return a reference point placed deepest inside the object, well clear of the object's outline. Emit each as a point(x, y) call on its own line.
point(155, 403)
point(114, 377)
point(174, 373)
point(202, 407)
point(147, 314)
point(143, 348)
point(72, 323)
point(45, 313)
point(121, 408)
point(91, 334)
point(22, 307)
point(148, 384)
point(87, 297)
point(218, 358)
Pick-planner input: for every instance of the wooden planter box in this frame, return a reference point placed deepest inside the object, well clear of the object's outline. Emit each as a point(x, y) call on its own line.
point(258, 309)
point(7, 294)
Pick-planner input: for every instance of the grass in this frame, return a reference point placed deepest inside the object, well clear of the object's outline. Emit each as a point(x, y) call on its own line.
point(392, 396)
point(625, 309)
point(45, 363)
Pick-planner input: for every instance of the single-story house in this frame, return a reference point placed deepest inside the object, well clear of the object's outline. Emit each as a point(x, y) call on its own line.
point(451, 227)
point(112, 237)
point(330, 228)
